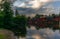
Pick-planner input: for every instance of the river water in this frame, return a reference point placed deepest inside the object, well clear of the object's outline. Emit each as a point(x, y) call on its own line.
point(45, 33)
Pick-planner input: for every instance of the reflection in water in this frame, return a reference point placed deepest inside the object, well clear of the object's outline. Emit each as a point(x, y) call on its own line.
point(43, 34)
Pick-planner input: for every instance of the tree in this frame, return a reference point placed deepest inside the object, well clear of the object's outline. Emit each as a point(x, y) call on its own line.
point(59, 14)
point(1, 19)
point(37, 16)
point(28, 22)
point(16, 13)
point(15, 24)
point(8, 14)
point(53, 15)
point(20, 23)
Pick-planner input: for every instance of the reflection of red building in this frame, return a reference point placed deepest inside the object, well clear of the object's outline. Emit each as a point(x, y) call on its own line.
point(57, 20)
point(40, 22)
point(43, 22)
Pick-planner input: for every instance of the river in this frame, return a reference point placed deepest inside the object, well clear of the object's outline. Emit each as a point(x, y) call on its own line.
point(45, 33)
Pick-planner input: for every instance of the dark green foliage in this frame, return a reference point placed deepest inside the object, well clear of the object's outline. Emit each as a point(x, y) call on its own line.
point(15, 24)
point(1, 19)
point(7, 15)
point(19, 23)
point(16, 13)
point(37, 16)
point(37, 27)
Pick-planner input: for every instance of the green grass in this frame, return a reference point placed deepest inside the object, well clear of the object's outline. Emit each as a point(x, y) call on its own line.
point(2, 36)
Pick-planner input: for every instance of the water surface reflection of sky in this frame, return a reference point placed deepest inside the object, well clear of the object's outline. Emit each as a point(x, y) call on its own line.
point(44, 34)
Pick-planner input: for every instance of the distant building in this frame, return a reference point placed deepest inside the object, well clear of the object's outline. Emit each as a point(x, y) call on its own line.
point(46, 22)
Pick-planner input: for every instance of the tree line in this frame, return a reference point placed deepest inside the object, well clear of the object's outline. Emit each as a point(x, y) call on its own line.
point(44, 21)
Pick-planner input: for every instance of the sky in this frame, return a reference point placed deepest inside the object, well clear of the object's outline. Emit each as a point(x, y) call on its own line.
point(37, 6)
point(30, 3)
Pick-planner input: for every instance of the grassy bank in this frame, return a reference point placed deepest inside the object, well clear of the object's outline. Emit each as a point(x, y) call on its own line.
point(2, 36)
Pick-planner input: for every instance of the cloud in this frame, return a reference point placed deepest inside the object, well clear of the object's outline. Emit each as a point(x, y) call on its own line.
point(28, 7)
point(30, 3)
point(56, 0)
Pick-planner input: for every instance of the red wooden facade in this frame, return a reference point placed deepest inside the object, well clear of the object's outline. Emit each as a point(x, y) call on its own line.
point(43, 22)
